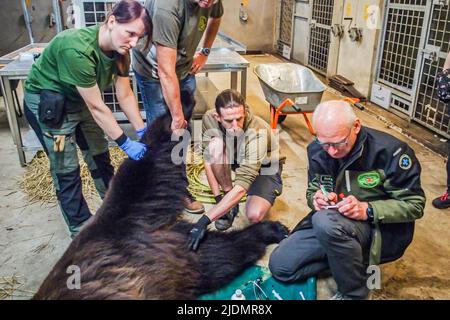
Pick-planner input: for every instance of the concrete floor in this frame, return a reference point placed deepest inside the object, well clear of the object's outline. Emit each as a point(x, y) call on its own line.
point(32, 238)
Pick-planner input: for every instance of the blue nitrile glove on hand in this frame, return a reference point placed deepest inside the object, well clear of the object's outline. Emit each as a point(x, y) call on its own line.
point(140, 132)
point(197, 233)
point(134, 149)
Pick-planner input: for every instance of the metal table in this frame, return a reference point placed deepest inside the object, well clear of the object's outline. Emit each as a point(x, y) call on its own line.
point(228, 60)
point(220, 60)
point(31, 48)
point(224, 41)
point(16, 70)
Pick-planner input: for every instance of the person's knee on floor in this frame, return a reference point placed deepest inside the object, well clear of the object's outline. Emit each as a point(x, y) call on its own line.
point(278, 267)
point(288, 265)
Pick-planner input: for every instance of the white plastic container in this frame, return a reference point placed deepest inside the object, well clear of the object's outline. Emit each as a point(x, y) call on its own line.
point(26, 56)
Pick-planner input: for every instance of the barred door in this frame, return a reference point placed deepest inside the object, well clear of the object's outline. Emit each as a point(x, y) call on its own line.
point(286, 16)
point(91, 12)
point(429, 110)
point(399, 60)
point(320, 35)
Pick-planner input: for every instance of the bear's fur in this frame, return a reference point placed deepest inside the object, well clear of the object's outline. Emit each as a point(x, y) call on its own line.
point(135, 246)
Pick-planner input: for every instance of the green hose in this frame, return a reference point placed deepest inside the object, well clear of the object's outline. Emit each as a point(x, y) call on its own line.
point(200, 191)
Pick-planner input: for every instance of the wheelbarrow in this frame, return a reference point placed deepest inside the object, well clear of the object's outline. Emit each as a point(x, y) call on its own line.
point(290, 89)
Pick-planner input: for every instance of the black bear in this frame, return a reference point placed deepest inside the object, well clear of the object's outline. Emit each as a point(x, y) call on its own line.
point(135, 245)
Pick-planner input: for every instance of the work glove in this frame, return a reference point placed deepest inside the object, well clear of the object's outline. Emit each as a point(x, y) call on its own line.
point(140, 133)
point(134, 149)
point(198, 232)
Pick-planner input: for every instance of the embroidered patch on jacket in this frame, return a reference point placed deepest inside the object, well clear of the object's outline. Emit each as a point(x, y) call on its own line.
point(202, 23)
point(369, 180)
point(405, 162)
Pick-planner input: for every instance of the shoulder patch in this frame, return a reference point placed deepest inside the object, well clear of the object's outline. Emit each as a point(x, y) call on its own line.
point(405, 162)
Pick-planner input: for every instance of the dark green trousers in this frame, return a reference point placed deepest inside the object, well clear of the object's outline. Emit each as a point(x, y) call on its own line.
point(79, 129)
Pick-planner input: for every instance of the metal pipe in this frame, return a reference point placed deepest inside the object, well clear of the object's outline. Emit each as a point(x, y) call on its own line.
point(57, 13)
point(26, 17)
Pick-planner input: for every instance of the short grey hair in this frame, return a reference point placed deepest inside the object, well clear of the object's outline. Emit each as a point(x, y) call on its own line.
point(335, 110)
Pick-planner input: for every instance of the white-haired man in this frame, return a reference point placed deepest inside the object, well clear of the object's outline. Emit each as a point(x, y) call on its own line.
point(365, 193)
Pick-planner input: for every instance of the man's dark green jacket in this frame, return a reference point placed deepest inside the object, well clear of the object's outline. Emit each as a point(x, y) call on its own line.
point(383, 171)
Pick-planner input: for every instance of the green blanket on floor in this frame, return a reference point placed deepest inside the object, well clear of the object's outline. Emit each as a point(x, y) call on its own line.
point(257, 283)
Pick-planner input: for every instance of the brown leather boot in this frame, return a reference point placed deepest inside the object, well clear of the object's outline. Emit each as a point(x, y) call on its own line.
point(193, 206)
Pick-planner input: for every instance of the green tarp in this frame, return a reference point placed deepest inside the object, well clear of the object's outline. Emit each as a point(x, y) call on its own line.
point(256, 283)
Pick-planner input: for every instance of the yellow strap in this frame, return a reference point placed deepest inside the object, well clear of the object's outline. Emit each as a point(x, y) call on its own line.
point(59, 142)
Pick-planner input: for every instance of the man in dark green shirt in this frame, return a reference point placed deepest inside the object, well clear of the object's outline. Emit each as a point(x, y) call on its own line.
point(165, 72)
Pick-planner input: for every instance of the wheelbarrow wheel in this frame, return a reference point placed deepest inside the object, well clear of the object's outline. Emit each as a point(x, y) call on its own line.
point(281, 118)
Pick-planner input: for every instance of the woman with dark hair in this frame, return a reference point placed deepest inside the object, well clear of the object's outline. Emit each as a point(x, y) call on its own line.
point(64, 106)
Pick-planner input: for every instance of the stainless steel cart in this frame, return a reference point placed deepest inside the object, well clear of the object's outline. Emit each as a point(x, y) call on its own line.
point(290, 89)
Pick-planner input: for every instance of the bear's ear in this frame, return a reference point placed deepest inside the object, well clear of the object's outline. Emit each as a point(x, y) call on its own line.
point(159, 131)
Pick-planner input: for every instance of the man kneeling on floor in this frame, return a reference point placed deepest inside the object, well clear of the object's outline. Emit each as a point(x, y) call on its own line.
point(364, 189)
point(235, 139)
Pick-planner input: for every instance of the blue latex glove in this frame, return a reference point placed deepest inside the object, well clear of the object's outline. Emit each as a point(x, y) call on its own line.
point(140, 132)
point(134, 149)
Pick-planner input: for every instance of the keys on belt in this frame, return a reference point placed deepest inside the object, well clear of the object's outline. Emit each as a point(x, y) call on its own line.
point(59, 141)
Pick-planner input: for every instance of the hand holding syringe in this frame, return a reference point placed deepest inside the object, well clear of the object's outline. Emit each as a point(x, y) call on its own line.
point(324, 199)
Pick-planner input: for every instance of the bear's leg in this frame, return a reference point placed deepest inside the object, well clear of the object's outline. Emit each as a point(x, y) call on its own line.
point(224, 255)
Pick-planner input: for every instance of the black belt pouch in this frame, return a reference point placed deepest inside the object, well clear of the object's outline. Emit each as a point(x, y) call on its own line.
point(52, 109)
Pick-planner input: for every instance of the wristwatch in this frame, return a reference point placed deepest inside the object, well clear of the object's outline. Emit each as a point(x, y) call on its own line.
point(205, 51)
point(369, 212)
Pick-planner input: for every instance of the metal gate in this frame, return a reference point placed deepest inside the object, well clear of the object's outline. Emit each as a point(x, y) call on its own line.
point(429, 110)
point(286, 17)
point(110, 99)
point(94, 12)
point(399, 57)
point(91, 12)
point(415, 42)
point(320, 35)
